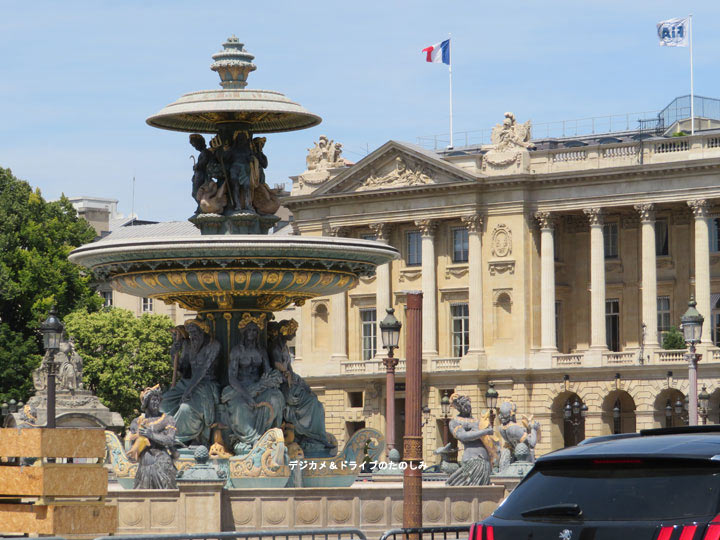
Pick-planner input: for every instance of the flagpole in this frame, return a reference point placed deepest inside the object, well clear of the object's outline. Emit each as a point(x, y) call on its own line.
point(692, 87)
point(451, 105)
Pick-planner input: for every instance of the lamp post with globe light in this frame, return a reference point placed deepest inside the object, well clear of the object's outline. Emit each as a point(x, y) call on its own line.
point(52, 330)
point(704, 404)
point(390, 334)
point(491, 397)
point(575, 414)
point(692, 323)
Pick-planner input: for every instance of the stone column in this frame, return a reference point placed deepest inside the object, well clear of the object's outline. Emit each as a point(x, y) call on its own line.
point(649, 273)
point(547, 282)
point(474, 226)
point(429, 287)
point(700, 208)
point(338, 315)
point(597, 279)
point(383, 292)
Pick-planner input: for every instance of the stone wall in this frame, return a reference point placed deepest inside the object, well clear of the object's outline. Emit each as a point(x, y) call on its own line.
point(373, 508)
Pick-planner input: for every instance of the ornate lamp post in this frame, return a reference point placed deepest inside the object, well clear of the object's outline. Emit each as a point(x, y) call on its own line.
point(445, 408)
point(390, 334)
point(491, 397)
point(704, 404)
point(52, 330)
point(617, 413)
point(575, 414)
point(668, 414)
point(692, 323)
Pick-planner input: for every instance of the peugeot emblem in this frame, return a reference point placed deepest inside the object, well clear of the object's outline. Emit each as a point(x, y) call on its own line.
point(565, 534)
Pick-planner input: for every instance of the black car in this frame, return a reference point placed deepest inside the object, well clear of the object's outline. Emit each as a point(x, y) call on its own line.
point(659, 484)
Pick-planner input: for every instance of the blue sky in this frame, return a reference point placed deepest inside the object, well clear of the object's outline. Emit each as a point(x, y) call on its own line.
point(78, 79)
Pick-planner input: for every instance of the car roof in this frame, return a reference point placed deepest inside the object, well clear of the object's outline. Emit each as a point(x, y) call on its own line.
point(670, 444)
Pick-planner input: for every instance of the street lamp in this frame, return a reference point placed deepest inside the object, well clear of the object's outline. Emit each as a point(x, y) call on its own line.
point(575, 414)
point(445, 408)
point(52, 330)
point(668, 414)
point(491, 397)
point(617, 413)
point(390, 334)
point(704, 404)
point(691, 324)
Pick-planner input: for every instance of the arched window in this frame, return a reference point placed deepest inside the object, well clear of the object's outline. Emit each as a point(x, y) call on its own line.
point(618, 413)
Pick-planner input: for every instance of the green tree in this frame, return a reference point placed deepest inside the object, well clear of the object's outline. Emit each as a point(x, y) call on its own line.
point(673, 339)
point(122, 354)
point(36, 237)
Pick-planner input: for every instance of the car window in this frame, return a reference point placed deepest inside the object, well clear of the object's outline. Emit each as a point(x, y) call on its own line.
point(619, 490)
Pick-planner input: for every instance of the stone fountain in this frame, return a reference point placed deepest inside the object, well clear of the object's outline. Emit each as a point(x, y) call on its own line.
point(237, 393)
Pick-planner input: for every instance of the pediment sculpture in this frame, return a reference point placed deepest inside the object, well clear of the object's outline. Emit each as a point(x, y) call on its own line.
point(404, 173)
point(510, 145)
point(322, 160)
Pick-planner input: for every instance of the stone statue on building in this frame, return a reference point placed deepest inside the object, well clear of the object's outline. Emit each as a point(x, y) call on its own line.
point(324, 155)
point(153, 444)
point(520, 438)
point(510, 145)
point(191, 402)
point(303, 409)
point(253, 402)
point(479, 445)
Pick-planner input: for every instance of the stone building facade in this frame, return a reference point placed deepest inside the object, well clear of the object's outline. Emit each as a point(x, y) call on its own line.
point(551, 268)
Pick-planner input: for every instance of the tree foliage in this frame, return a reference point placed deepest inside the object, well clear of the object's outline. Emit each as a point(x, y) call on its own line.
point(673, 340)
point(122, 355)
point(36, 237)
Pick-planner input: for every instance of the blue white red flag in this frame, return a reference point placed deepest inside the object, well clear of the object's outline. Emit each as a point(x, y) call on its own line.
point(438, 53)
point(674, 32)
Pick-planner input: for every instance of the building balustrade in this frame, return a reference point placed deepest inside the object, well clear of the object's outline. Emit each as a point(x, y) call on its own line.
point(446, 364)
point(620, 358)
point(666, 356)
point(564, 360)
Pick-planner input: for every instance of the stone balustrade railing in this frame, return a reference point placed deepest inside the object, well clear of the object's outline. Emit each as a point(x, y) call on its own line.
point(564, 360)
point(666, 356)
point(446, 364)
point(624, 154)
point(620, 358)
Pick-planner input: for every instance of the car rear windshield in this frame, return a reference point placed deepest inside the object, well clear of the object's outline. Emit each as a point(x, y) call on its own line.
point(618, 490)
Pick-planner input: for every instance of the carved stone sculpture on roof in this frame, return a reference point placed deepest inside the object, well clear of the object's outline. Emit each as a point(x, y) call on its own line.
point(510, 145)
point(403, 174)
point(325, 154)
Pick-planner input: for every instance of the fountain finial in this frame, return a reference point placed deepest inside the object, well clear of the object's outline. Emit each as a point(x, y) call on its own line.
point(233, 64)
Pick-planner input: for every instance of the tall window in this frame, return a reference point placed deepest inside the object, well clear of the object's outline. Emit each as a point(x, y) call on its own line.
point(459, 315)
point(414, 248)
point(663, 316)
point(661, 237)
point(147, 305)
point(368, 320)
point(460, 245)
point(610, 235)
point(715, 235)
point(612, 324)
point(107, 298)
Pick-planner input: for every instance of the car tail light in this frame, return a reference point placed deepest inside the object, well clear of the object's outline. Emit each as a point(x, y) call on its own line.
point(713, 530)
point(665, 533)
point(687, 532)
point(477, 530)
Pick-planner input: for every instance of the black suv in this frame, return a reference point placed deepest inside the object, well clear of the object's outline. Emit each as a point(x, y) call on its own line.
point(659, 484)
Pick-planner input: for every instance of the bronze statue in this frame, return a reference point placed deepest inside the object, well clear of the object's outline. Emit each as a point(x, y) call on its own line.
point(193, 398)
point(153, 436)
point(479, 443)
point(253, 402)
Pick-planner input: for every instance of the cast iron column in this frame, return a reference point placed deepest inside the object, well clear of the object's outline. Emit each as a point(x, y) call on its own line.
point(692, 357)
point(51, 390)
point(390, 364)
point(412, 447)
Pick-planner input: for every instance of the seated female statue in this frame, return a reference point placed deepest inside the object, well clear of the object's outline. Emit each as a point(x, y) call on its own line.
point(193, 399)
point(253, 401)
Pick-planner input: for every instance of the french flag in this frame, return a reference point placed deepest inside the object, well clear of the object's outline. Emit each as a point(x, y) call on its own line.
point(438, 53)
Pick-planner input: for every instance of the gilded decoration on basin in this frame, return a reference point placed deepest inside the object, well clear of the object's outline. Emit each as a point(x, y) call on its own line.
point(267, 458)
